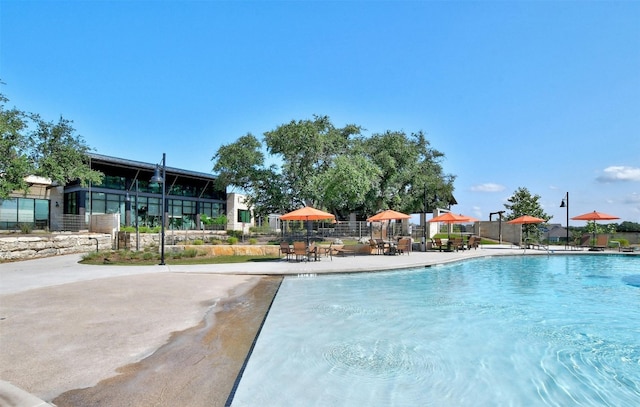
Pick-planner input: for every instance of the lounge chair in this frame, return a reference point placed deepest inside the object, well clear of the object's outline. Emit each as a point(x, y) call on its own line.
point(601, 243)
point(346, 249)
point(285, 249)
point(404, 246)
point(585, 240)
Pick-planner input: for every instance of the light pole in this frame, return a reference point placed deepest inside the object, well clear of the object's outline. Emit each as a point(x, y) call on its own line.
point(565, 203)
point(161, 179)
point(137, 227)
point(424, 221)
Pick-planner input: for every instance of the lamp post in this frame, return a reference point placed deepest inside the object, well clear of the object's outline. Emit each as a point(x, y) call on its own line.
point(137, 227)
point(424, 221)
point(563, 204)
point(161, 179)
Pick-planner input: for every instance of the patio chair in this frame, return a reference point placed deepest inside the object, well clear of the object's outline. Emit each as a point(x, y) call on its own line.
point(474, 241)
point(312, 250)
point(326, 250)
point(373, 247)
point(300, 250)
point(437, 242)
point(285, 249)
point(404, 246)
point(458, 244)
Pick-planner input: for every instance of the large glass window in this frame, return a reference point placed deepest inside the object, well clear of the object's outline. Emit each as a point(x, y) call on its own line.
point(42, 213)
point(25, 210)
point(98, 203)
point(113, 204)
point(8, 213)
point(154, 211)
point(28, 211)
point(113, 182)
point(244, 216)
point(71, 203)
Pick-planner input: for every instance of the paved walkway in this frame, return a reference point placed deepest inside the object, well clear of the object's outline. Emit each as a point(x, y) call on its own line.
point(51, 271)
point(55, 299)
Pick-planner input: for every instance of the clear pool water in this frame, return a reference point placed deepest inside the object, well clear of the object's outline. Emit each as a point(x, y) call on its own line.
point(517, 331)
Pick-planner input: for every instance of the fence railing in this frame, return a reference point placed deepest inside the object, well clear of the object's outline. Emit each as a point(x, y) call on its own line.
point(355, 230)
point(70, 223)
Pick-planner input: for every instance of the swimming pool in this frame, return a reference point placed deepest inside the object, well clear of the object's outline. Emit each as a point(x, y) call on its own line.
point(517, 331)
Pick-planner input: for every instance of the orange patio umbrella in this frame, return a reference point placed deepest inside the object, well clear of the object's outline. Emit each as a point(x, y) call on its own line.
point(525, 220)
point(451, 217)
point(387, 215)
point(594, 216)
point(307, 213)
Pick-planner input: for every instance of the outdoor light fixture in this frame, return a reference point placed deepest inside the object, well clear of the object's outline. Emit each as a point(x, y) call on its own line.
point(563, 204)
point(161, 179)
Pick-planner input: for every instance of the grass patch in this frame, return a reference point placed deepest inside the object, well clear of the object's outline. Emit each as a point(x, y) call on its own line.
point(186, 257)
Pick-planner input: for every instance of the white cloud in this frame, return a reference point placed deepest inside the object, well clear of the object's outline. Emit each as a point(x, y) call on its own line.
point(488, 187)
point(634, 198)
point(617, 173)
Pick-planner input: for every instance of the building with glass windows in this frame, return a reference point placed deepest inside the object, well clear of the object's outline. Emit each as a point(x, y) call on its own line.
point(126, 190)
point(29, 209)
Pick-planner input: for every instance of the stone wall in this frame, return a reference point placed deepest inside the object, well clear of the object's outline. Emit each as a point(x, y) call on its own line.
point(229, 250)
point(33, 246)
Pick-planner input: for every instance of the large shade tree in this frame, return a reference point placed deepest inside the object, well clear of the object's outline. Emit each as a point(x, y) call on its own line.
point(336, 169)
point(412, 178)
point(30, 145)
point(14, 161)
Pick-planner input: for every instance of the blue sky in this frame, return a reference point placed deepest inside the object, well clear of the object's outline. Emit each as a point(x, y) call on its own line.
point(537, 94)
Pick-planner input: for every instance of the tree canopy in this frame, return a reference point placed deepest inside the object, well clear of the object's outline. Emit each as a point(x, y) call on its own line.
point(335, 169)
point(30, 145)
point(523, 203)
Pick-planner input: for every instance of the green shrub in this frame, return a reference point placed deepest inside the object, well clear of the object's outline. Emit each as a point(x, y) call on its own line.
point(144, 229)
point(92, 255)
point(234, 233)
point(232, 240)
point(25, 228)
point(190, 253)
point(128, 229)
point(253, 240)
point(198, 242)
point(260, 229)
point(215, 241)
point(623, 242)
point(148, 255)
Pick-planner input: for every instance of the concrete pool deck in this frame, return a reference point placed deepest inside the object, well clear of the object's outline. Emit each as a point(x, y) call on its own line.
point(74, 334)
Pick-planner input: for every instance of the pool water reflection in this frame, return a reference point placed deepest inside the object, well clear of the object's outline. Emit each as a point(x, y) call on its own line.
point(539, 330)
